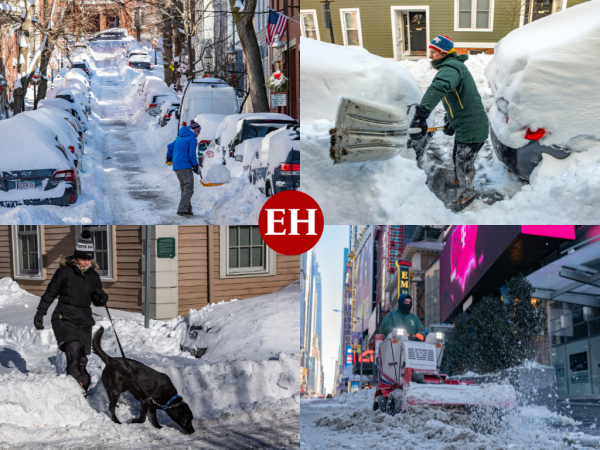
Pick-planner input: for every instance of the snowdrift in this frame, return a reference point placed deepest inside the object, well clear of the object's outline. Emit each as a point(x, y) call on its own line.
point(543, 76)
point(250, 372)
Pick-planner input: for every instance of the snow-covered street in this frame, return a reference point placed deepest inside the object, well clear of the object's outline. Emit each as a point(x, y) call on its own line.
point(124, 178)
point(243, 392)
point(349, 422)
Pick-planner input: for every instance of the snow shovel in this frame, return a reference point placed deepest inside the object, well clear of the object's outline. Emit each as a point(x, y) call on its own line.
point(369, 131)
point(210, 184)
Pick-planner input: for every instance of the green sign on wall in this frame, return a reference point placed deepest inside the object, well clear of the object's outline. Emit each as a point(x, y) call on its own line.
point(165, 247)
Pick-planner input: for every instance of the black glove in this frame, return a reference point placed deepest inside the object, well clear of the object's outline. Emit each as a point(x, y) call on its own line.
point(419, 121)
point(170, 161)
point(38, 321)
point(195, 169)
point(447, 127)
point(99, 297)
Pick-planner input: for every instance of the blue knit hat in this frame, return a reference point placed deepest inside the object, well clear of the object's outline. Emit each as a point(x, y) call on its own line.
point(442, 44)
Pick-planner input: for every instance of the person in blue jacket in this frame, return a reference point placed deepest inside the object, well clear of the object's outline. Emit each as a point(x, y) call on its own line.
point(181, 155)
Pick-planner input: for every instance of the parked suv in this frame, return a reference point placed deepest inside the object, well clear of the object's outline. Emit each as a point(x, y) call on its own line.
point(276, 165)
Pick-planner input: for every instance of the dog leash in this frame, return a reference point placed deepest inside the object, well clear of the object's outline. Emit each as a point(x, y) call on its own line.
point(135, 379)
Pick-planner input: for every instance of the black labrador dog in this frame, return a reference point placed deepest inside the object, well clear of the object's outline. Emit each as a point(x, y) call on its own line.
point(117, 379)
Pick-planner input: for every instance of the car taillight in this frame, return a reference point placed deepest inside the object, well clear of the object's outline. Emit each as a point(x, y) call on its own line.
point(72, 198)
point(72, 149)
point(152, 106)
point(535, 135)
point(168, 115)
point(65, 175)
point(129, 64)
point(289, 167)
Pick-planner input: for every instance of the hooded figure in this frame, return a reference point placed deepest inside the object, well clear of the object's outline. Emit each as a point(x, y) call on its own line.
point(182, 155)
point(403, 318)
point(76, 284)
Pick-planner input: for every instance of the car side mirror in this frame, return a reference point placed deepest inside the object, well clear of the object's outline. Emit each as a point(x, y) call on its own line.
point(239, 158)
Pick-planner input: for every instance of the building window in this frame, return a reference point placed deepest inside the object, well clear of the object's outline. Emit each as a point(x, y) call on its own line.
point(351, 27)
point(308, 21)
point(474, 15)
point(103, 248)
point(27, 247)
point(244, 253)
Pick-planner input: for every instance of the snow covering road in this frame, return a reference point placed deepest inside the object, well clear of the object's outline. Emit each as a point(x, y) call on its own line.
point(244, 391)
point(348, 422)
point(125, 179)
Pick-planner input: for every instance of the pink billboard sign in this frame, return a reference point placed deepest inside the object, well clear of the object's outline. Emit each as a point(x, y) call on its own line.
point(555, 231)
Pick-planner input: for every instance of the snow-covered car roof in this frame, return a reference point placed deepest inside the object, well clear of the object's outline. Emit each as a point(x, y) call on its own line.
point(33, 145)
point(65, 116)
point(230, 123)
point(153, 83)
point(165, 93)
point(76, 84)
point(64, 131)
point(209, 124)
point(77, 72)
point(57, 103)
point(139, 58)
point(76, 93)
point(330, 71)
point(541, 78)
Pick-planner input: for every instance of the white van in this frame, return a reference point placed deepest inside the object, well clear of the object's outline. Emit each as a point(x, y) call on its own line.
point(207, 96)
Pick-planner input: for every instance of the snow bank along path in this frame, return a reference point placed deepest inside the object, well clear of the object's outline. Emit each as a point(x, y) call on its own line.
point(249, 373)
point(349, 422)
point(395, 191)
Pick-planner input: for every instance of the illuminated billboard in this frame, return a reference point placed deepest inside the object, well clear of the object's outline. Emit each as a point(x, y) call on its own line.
point(363, 284)
point(471, 251)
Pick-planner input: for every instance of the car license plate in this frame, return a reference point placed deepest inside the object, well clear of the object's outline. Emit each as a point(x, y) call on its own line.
point(25, 184)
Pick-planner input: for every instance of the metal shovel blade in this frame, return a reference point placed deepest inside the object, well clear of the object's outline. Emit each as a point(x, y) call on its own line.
point(367, 131)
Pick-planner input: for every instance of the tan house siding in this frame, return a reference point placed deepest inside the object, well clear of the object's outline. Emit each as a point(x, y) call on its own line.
point(193, 272)
point(59, 242)
point(575, 2)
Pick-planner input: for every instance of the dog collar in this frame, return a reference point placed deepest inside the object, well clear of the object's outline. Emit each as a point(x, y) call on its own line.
point(172, 398)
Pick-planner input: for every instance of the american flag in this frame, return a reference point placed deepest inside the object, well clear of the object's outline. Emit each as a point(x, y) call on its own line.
point(276, 25)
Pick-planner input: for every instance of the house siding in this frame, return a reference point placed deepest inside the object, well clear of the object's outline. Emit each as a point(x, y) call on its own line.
point(59, 242)
point(193, 272)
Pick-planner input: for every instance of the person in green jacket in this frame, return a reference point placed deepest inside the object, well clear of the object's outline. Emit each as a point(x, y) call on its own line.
point(403, 318)
point(454, 86)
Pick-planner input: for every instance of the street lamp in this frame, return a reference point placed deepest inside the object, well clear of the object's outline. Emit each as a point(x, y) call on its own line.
point(277, 47)
point(232, 57)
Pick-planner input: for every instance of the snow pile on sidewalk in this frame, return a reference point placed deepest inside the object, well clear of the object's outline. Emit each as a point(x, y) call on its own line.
point(542, 78)
point(11, 293)
point(218, 173)
point(250, 372)
point(334, 423)
point(39, 400)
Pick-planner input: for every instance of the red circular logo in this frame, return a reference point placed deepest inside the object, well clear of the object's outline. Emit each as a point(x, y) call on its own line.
point(291, 222)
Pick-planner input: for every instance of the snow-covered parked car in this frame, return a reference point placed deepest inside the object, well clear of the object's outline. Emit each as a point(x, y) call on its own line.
point(276, 166)
point(83, 65)
point(150, 83)
point(79, 75)
point(206, 96)
point(541, 82)
point(209, 124)
point(73, 95)
point(167, 110)
point(245, 154)
point(37, 169)
point(140, 60)
point(75, 109)
point(67, 136)
point(156, 97)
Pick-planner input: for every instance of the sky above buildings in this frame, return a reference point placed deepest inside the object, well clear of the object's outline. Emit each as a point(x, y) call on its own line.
point(330, 256)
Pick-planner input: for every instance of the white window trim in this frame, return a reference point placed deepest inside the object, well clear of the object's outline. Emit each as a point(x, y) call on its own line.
point(344, 35)
point(474, 44)
point(395, 25)
point(314, 13)
point(474, 18)
point(224, 259)
point(112, 264)
point(41, 275)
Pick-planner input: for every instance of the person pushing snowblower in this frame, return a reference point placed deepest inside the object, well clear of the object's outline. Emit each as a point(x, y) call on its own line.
point(403, 318)
point(454, 86)
point(76, 284)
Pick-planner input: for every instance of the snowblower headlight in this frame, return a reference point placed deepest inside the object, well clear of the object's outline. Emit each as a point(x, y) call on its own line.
point(399, 331)
point(439, 336)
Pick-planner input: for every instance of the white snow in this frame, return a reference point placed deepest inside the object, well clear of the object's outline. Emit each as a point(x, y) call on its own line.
point(482, 395)
point(395, 191)
point(349, 422)
point(541, 78)
point(248, 380)
point(217, 173)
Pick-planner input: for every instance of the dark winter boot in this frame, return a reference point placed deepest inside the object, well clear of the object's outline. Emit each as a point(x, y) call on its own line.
point(454, 184)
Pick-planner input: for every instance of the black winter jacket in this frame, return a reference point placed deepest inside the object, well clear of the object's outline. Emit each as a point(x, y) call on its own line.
point(72, 318)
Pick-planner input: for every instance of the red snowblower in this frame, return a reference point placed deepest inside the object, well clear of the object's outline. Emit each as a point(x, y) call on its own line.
point(408, 373)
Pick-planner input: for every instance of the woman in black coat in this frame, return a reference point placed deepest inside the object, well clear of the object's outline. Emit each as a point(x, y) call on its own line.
point(76, 284)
